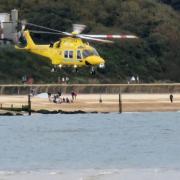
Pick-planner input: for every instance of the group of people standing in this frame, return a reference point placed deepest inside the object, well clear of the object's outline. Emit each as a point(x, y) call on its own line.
point(57, 98)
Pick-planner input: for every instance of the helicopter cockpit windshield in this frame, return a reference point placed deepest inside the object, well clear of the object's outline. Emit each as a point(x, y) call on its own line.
point(89, 52)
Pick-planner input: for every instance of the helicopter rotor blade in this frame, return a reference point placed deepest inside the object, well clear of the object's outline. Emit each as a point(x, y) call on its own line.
point(44, 32)
point(111, 36)
point(94, 39)
point(78, 36)
point(78, 28)
point(50, 29)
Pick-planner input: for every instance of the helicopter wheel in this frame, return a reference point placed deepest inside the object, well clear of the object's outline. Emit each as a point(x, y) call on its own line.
point(53, 70)
point(75, 70)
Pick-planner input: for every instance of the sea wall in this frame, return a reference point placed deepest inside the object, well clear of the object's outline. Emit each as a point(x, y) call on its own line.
point(16, 89)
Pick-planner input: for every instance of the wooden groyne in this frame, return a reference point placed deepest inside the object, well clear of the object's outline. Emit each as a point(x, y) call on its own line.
point(23, 89)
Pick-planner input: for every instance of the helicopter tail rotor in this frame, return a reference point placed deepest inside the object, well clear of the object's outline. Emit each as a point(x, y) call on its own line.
point(23, 25)
point(21, 28)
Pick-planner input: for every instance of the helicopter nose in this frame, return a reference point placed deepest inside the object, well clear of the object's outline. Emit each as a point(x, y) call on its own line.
point(94, 60)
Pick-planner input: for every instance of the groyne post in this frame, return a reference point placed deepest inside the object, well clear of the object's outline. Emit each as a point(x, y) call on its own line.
point(100, 99)
point(120, 103)
point(29, 104)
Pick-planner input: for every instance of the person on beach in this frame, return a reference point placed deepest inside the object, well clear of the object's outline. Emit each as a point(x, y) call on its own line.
point(67, 100)
point(63, 100)
point(55, 99)
point(59, 93)
point(171, 98)
point(32, 92)
point(49, 96)
point(73, 95)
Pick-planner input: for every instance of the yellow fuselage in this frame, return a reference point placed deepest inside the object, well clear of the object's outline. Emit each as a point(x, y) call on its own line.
point(68, 51)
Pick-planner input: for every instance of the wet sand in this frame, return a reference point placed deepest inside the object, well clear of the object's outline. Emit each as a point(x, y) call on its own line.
point(90, 102)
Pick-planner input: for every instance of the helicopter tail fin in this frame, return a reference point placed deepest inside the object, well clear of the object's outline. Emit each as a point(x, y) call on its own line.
point(29, 43)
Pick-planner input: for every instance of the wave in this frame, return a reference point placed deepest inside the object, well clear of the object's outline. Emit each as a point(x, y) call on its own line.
point(94, 174)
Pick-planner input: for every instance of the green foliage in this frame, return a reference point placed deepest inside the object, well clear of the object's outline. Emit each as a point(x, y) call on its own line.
point(174, 3)
point(15, 64)
point(155, 56)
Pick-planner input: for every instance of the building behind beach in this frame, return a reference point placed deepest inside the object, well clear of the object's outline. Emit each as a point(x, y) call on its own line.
point(8, 27)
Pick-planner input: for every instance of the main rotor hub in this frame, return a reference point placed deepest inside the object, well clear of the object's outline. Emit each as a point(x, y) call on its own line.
point(74, 33)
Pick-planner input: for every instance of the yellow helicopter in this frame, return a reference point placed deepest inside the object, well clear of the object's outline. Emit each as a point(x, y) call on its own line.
point(70, 50)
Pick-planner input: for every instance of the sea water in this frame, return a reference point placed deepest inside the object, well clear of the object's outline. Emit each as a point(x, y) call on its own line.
point(111, 146)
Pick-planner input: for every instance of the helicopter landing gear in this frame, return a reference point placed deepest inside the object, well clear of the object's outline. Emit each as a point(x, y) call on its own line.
point(53, 70)
point(75, 69)
point(60, 66)
point(101, 66)
point(93, 72)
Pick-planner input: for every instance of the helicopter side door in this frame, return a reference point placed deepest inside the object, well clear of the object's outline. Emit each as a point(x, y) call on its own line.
point(73, 57)
point(68, 57)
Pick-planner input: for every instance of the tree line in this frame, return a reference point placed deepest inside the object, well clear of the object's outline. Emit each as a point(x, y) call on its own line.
point(155, 56)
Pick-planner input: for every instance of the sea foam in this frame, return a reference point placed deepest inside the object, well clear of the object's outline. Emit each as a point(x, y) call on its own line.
point(125, 174)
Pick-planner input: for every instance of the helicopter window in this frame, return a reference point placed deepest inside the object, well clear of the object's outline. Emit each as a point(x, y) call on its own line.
point(70, 54)
point(88, 52)
point(79, 56)
point(66, 54)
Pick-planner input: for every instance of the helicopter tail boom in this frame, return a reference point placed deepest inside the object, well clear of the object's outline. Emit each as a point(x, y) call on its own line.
point(32, 47)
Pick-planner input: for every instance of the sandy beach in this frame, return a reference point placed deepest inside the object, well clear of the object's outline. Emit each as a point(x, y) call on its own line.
point(90, 102)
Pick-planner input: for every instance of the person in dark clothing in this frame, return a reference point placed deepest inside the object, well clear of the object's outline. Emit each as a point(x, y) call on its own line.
point(72, 94)
point(63, 99)
point(49, 96)
point(55, 99)
point(59, 93)
point(171, 98)
point(67, 100)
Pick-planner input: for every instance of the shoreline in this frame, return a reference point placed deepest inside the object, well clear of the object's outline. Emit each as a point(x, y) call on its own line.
point(89, 103)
